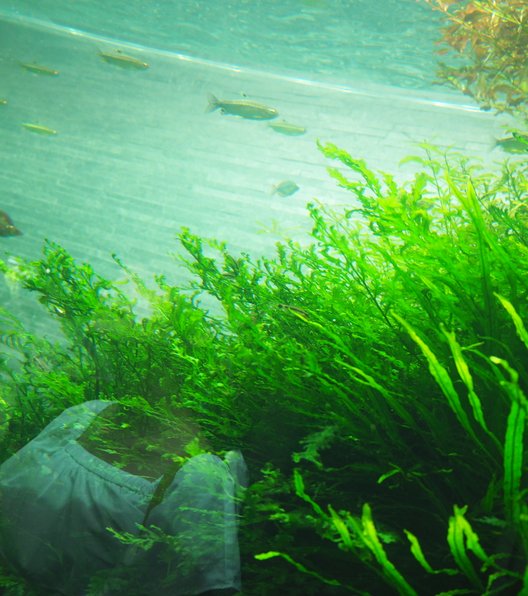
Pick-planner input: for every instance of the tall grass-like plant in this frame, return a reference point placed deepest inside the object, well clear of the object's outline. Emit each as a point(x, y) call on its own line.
point(375, 378)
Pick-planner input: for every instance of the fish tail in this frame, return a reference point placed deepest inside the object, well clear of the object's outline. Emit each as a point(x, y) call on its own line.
point(213, 104)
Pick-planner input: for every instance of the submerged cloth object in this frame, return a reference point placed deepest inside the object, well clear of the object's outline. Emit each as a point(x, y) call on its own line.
point(58, 503)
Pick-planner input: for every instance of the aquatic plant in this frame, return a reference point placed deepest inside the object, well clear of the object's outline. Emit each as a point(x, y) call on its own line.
point(434, 260)
point(491, 39)
point(375, 378)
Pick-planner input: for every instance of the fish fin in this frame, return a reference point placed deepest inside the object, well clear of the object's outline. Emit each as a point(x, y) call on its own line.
point(213, 104)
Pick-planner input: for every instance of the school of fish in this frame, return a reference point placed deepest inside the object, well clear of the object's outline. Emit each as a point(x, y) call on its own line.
point(244, 108)
point(252, 110)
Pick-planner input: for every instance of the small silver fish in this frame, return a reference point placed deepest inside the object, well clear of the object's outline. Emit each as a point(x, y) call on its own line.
point(39, 129)
point(287, 128)
point(299, 312)
point(39, 69)
point(123, 60)
point(242, 107)
point(3, 101)
point(285, 188)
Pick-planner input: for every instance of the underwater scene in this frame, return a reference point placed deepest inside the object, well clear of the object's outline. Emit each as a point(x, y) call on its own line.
point(264, 297)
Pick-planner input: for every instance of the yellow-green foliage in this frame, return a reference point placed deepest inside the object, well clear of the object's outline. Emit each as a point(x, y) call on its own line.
point(375, 378)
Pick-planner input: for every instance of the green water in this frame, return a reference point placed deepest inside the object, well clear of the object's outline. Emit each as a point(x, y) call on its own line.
point(136, 155)
point(339, 41)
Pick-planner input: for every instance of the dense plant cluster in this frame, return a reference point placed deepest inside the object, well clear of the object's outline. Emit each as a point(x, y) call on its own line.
point(491, 37)
point(375, 379)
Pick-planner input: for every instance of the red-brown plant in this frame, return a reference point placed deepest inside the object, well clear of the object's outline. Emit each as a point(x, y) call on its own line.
point(491, 39)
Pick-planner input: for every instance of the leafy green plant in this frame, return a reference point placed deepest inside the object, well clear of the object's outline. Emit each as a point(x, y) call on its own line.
point(375, 378)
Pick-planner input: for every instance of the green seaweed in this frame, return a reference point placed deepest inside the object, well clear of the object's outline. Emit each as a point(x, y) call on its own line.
point(378, 367)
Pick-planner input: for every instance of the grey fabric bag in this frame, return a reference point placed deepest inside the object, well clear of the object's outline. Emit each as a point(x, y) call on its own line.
point(57, 501)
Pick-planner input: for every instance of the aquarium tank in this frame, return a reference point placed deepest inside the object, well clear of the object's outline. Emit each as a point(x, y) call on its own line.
point(264, 297)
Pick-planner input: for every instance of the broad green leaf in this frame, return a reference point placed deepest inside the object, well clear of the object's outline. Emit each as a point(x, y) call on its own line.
point(514, 441)
point(459, 535)
point(341, 528)
point(517, 321)
point(417, 553)
point(300, 492)
point(467, 379)
point(443, 379)
point(372, 541)
point(272, 554)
